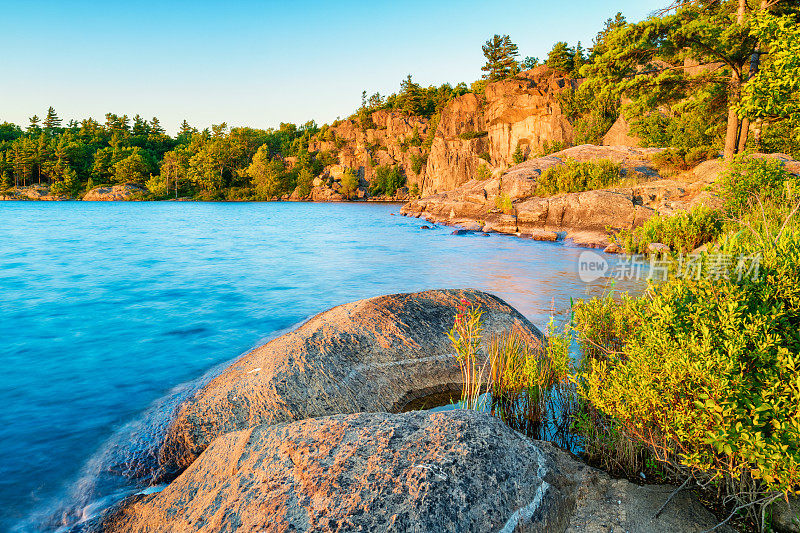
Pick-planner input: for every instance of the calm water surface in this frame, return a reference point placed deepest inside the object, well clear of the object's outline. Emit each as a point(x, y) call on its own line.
point(107, 308)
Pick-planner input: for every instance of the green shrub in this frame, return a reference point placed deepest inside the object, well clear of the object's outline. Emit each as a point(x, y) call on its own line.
point(779, 137)
point(386, 181)
point(503, 202)
point(518, 155)
point(750, 178)
point(682, 232)
point(468, 135)
point(673, 160)
point(418, 161)
point(485, 156)
point(576, 177)
point(349, 183)
point(549, 147)
point(706, 379)
point(483, 172)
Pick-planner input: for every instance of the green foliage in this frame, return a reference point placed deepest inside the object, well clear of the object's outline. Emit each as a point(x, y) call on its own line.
point(500, 54)
point(483, 172)
point(417, 162)
point(706, 379)
point(386, 181)
point(528, 63)
point(561, 57)
point(779, 137)
point(774, 91)
point(674, 160)
point(591, 113)
point(750, 179)
point(414, 191)
point(518, 156)
point(573, 176)
point(682, 232)
point(469, 135)
point(269, 176)
point(305, 181)
point(68, 186)
point(134, 168)
point(503, 203)
point(349, 183)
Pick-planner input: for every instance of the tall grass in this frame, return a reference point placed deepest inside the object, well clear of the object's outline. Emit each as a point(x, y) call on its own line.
point(529, 386)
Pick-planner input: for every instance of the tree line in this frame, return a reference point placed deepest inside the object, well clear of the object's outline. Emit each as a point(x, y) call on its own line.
point(698, 76)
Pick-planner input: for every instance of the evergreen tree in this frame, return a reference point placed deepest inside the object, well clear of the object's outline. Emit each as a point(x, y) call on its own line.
point(155, 127)
point(51, 121)
point(500, 55)
point(34, 124)
point(529, 63)
point(561, 57)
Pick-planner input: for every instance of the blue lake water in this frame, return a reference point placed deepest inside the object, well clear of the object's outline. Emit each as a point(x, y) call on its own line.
point(105, 308)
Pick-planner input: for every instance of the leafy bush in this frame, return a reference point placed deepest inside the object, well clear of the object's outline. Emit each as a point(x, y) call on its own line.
point(483, 172)
point(682, 232)
point(549, 147)
point(504, 203)
point(349, 183)
point(749, 178)
point(386, 181)
point(576, 177)
point(674, 160)
point(485, 156)
point(779, 137)
point(707, 380)
point(467, 135)
point(518, 155)
point(417, 162)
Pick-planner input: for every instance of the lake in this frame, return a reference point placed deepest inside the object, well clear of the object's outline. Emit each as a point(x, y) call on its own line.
point(108, 311)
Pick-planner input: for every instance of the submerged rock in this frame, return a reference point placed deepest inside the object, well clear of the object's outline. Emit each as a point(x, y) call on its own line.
point(372, 355)
point(419, 471)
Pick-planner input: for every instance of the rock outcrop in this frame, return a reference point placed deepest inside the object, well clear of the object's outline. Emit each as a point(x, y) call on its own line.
point(524, 111)
point(444, 151)
point(584, 217)
point(32, 192)
point(372, 355)
point(451, 471)
point(115, 193)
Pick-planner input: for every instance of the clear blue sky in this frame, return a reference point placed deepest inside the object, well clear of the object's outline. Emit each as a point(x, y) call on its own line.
point(257, 64)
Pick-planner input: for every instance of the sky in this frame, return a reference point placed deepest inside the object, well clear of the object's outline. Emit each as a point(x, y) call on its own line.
point(258, 64)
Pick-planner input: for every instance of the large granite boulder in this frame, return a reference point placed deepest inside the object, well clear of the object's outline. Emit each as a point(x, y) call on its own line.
point(450, 471)
point(372, 355)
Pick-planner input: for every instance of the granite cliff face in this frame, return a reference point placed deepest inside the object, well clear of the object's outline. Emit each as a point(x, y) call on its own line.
point(445, 151)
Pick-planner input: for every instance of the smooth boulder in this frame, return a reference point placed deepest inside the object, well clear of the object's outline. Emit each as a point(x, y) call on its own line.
point(449, 471)
point(371, 355)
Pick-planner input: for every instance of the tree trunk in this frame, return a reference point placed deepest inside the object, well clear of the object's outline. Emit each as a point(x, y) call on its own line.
point(734, 95)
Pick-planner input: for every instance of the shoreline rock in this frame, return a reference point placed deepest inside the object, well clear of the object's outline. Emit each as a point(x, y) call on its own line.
point(449, 471)
point(376, 354)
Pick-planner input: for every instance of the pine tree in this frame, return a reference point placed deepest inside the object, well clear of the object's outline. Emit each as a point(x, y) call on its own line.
point(155, 127)
point(500, 55)
point(51, 121)
point(578, 60)
point(561, 57)
point(34, 124)
point(186, 130)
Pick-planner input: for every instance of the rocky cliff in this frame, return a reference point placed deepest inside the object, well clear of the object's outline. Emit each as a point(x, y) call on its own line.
point(442, 152)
